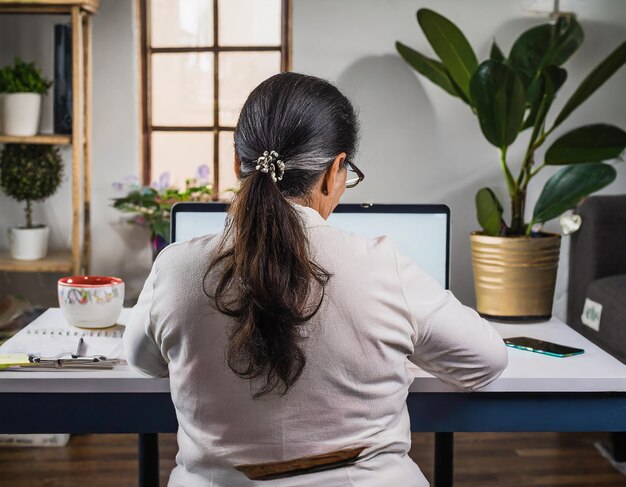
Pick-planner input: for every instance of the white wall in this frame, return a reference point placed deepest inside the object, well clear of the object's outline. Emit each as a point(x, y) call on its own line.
point(118, 248)
point(419, 145)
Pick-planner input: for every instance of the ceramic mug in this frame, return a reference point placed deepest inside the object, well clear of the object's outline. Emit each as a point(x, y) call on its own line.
point(91, 301)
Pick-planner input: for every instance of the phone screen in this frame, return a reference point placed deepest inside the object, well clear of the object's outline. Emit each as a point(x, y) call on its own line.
point(539, 346)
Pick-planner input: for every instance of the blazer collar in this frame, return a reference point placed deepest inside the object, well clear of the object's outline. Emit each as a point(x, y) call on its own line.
point(310, 217)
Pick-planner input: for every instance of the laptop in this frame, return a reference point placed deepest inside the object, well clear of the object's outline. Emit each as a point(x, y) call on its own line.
point(421, 232)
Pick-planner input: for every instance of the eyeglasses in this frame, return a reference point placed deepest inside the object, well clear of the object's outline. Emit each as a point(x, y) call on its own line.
point(352, 182)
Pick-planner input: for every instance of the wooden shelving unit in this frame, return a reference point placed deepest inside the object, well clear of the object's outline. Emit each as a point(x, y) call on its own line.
point(50, 139)
point(75, 260)
point(56, 261)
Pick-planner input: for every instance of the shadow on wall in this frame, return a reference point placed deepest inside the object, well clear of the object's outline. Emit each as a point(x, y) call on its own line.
point(385, 89)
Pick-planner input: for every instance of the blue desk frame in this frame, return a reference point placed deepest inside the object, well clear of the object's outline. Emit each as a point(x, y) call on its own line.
point(443, 413)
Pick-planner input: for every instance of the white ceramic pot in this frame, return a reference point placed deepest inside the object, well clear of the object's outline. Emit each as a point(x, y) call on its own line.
point(91, 301)
point(28, 243)
point(21, 114)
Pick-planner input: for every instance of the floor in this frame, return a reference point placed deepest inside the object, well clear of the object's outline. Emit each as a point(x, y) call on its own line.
point(482, 460)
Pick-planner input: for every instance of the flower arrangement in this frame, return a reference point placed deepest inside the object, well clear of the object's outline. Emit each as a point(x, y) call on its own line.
point(151, 205)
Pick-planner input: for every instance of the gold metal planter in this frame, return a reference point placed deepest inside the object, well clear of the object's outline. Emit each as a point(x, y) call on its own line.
point(514, 277)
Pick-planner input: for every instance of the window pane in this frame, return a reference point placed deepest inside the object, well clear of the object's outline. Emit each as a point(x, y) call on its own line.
point(249, 22)
point(181, 23)
point(182, 89)
point(228, 179)
point(239, 74)
point(180, 154)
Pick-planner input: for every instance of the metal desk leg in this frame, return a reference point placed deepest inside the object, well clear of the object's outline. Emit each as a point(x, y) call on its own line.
point(444, 459)
point(148, 459)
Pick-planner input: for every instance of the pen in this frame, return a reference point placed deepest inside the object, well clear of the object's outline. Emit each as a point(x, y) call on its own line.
point(80, 344)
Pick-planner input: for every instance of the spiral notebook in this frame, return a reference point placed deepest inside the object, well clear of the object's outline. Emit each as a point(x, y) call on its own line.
point(50, 335)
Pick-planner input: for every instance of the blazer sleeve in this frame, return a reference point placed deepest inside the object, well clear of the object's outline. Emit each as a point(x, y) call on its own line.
point(142, 351)
point(451, 341)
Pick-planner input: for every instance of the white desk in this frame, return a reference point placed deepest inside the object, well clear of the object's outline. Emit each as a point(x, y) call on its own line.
point(535, 393)
point(593, 371)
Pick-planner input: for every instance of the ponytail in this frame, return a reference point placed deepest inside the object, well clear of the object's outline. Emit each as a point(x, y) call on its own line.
point(267, 282)
point(267, 285)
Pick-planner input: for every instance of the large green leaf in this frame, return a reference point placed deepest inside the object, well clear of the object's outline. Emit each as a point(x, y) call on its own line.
point(489, 211)
point(593, 81)
point(496, 53)
point(541, 46)
point(459, 93)
point(568, 186)
point(498, 95)
point(550, 81)
point(450, 45)
point(591, 143)
point(433, 70)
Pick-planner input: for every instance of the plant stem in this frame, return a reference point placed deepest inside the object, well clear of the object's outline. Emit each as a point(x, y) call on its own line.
point(529, 227)
point(510, 182)
point(29, 214)
point(518, 204)
point(534, 173)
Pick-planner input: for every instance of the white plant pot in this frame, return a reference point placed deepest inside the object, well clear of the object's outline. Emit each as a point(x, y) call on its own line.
point(28, 243)
point(21, 114)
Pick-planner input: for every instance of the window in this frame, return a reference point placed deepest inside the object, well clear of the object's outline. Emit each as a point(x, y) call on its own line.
point(200, 60)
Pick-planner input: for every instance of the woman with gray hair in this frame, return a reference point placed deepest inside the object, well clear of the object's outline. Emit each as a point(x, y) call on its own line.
point(286, 339)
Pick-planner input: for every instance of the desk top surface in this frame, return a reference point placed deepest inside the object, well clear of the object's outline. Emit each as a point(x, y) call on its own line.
point(593, 371)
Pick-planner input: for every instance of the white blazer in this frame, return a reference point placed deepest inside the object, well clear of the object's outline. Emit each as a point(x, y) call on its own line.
point(380, 309)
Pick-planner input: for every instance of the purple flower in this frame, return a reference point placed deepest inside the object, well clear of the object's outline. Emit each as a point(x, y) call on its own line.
point(164, 180)
point(117, 186)
point(203, 173)
point(132, 181)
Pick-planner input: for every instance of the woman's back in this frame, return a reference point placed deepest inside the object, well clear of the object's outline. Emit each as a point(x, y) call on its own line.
point(378, 309)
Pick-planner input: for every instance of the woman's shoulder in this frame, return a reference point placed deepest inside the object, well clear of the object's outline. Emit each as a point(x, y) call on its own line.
point(358, 245)
point(178, 253)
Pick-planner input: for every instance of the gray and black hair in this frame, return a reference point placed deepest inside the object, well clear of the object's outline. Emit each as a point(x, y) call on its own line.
point(268, 283)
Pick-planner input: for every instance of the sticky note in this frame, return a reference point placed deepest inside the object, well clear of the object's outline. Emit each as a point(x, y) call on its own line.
point(13, 359)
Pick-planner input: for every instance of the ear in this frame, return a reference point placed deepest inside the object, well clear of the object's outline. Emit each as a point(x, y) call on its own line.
point(332, 182)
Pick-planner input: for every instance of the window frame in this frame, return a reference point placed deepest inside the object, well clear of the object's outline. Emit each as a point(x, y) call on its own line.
point(145, 58)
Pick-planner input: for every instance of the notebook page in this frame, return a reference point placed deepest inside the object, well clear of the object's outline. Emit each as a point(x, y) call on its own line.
point(50, 335)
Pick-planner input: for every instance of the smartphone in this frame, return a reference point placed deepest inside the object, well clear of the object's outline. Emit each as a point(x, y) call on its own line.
point(539, 346)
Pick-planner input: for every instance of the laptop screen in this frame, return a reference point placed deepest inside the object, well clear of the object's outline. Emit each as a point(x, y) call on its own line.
point(422, 232)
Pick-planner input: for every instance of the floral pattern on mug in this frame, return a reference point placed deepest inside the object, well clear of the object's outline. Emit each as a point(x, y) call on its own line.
point(85, 296)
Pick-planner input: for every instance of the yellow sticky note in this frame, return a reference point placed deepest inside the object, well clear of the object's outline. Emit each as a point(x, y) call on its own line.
point(12, 359)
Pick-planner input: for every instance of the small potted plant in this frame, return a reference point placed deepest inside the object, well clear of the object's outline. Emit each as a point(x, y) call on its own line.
point(515, 262)
point(22, 86)
point(30, 173)
point(151, 205)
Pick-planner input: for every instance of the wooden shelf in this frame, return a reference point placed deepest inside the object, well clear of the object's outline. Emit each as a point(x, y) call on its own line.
point(47, 6)
point(77, 260)
point(49, 139)
point(57, 261)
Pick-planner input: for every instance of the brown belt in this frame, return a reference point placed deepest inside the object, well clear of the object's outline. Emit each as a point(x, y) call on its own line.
point(302, 465)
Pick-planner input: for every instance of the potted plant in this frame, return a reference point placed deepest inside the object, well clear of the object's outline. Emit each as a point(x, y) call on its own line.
point(151, 205)
point(22, 86)
point(515, 262)
point(30, 173)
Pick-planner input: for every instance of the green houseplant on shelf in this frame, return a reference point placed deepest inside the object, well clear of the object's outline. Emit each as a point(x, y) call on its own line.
point(22, 87)
point(515, 262)
point(30, 173)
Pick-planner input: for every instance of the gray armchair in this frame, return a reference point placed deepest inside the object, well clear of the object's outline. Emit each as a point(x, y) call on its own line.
point(598, 273)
